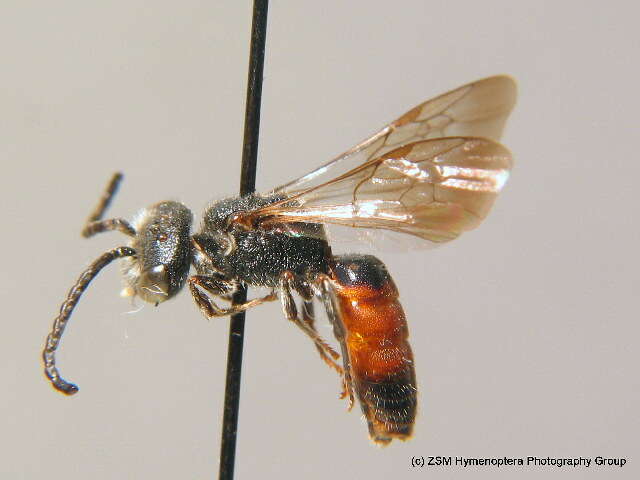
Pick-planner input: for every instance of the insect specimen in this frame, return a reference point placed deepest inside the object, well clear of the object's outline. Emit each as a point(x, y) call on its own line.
point(432, 173)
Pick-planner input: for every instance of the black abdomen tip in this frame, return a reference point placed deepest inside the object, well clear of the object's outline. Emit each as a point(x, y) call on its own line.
point(392, 401)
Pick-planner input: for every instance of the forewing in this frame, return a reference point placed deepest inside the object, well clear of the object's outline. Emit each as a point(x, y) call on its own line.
point(478, 109)
point(433, 189)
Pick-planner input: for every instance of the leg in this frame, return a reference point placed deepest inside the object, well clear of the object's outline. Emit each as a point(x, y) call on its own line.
point(95, 224)
point(308, 315)
point(291, 312)
point(325, 290)
point(217, 287)
point(215, 284)
point(60, 322)
point(309, 319)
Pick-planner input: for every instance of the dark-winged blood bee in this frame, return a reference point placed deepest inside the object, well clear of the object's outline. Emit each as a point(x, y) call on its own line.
point(432, 173)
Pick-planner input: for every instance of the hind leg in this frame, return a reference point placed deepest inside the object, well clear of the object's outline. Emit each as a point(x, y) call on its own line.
point(306, 307)
point(325, 291)
point(287, 287)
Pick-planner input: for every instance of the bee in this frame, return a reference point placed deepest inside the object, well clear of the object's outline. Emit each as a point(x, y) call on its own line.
point(433, 173)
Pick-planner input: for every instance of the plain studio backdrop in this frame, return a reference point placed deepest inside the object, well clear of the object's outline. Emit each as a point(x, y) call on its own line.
point(524, 331)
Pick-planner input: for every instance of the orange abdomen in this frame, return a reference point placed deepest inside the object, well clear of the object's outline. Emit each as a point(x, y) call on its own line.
point(375, 344)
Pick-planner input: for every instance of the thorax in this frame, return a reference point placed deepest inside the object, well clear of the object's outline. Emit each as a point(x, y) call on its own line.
point(259, 256)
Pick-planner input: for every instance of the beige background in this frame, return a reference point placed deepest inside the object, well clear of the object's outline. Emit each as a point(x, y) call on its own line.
point(525, 331)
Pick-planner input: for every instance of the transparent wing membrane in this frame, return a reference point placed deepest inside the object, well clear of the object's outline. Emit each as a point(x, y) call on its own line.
point(432, 173)
point(434, 189)
point(478, 109)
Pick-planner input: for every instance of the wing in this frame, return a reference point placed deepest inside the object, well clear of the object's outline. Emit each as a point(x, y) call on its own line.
point(433, 189)
point(478, 109)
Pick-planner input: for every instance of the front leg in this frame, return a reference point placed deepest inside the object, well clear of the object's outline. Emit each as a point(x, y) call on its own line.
point(220, 288)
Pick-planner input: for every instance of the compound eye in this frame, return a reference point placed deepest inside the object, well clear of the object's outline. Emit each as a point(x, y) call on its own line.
point(153, 285)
